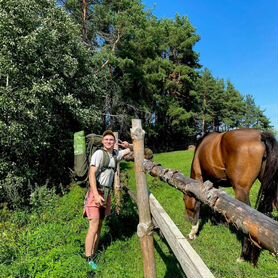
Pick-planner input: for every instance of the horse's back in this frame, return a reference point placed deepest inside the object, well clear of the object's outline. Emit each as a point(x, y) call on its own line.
point(207, 161)
point(234, 155)
point(242, 145)
point(239, 139)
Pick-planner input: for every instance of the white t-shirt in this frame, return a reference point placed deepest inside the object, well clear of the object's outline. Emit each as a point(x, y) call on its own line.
point(106, 177)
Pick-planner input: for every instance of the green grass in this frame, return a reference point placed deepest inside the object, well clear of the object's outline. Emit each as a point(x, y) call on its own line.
point(49, 242)
point(46, 243)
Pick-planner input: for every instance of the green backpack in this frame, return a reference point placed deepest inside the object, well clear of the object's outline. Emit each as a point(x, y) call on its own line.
point(84, 148)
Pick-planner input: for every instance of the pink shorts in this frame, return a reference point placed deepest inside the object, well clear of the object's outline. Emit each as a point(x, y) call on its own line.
point(93, 210)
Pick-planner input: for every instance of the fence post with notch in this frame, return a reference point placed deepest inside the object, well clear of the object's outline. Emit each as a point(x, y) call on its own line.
point(145, 226)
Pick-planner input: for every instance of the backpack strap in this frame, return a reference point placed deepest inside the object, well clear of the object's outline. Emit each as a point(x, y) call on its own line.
point(106, 161)
point(105, 165)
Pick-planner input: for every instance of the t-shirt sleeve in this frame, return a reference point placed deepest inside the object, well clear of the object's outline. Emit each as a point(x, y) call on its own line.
point(122, 153)
point(97, 158)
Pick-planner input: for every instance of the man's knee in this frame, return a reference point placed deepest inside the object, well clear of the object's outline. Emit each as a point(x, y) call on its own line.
point(94, 224)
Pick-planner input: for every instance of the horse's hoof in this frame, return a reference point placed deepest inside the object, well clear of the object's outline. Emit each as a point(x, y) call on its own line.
point(239, 260)
point(192, 237)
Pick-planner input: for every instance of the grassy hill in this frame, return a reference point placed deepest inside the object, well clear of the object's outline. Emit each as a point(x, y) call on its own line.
point(49, 242)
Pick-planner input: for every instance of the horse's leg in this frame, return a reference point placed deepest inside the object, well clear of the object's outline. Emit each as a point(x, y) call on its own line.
point(192, 206)
point(249, 251)
point(242, 194)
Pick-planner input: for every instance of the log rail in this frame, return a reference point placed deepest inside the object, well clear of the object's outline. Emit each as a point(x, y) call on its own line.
point(262, 229)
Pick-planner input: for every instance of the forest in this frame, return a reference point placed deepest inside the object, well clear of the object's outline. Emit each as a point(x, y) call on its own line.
point(90, 65)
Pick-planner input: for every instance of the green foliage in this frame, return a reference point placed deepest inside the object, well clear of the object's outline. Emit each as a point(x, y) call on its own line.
point(221, 107)
point(234, 109)
point(50, 242)
point(148, 65)
point(42, 197)
point(253, 116)
point(46, 79)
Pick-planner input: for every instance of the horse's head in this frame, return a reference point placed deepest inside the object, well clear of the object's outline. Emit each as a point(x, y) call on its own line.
point(192, 206)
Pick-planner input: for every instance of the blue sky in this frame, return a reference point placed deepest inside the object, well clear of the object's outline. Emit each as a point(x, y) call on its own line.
point(239, 42)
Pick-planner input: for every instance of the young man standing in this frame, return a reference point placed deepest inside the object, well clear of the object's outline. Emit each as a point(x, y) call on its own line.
point(98, 204)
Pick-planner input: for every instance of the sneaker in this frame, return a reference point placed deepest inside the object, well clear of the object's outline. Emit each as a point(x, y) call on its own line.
point(93, 266)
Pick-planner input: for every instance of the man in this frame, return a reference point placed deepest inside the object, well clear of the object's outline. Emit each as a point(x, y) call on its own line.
point(98, 204)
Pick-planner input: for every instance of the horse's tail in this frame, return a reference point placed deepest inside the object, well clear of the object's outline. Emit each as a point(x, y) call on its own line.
point(268, 194)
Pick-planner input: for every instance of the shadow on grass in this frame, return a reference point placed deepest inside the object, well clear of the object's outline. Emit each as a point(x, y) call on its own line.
point(208, 215)
point(249, 250)
point(122, 226)
point(125, 166)
point(173, 267)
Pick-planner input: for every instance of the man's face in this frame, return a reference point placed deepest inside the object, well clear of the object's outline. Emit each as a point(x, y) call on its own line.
point(108, 142)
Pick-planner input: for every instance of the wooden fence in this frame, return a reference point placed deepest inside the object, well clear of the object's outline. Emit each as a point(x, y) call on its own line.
point(261, 229)
point(190, 262)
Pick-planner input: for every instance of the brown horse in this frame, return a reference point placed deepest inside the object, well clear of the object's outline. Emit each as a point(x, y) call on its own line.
point(237, 158)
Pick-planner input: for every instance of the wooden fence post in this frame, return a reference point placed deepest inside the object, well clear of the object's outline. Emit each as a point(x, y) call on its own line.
point(117, 184)
point(145, 226)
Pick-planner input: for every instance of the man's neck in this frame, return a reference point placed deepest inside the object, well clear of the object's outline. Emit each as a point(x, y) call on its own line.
point(110, 150)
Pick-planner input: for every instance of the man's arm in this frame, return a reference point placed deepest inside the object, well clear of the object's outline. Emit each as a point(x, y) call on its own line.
point(93, 185)
point(126, 145)
point(126, 149)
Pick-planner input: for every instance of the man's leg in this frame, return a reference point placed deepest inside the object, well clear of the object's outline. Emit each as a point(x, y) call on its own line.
point(97, 237)
point(92, 236)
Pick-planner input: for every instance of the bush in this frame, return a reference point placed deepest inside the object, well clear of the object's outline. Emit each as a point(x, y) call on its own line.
point(49, 242)
point(46, 81)
point(13, 190)
point(43, 197)
point(9, 242)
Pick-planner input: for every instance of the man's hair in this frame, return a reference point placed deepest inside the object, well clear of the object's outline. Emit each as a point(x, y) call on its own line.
point(108, 132)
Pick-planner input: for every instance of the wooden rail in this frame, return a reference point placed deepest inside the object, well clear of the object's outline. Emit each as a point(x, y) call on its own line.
point(261, 229)
point(190, 262)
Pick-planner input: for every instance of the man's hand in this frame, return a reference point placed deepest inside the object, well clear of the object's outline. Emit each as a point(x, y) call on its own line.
point(99, 200)
point(124, 144)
